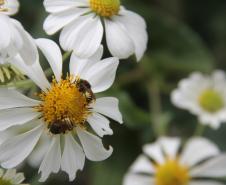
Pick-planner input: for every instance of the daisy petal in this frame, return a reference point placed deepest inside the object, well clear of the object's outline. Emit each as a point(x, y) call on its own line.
point(100, 124)
point(60, 5)
point(79, 66)
point(92, 146)
point(102, 75)
point(51, 161)
point(34, 72)
point(203, 182)
point(13, 151)
point(12, 6)
point(10, 98)
point(4, 32)
point(142, 165)
point(108, 106)
point(137, 179)
point(170, 146)
point(212, 168)
point(88, 38)
point(119, 42)
point(154, 151)
point(53, 55)
point(136, 28)
point(54, 22)
point(73, 158)
point(204, 149)
point(29, 51)
point(20, 117)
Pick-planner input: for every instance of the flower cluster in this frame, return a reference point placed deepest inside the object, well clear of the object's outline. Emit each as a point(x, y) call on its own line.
point(63, 122)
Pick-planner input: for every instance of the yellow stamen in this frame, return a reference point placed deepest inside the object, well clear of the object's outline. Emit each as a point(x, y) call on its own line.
point(5, 182)
point(211, 101)
point(171, 173)
point(105, 8)
point(64, 106)
point(2, 6)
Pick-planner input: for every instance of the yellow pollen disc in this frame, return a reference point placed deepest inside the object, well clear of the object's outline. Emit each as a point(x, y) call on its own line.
point(211, 101)
point(105, 8)
point(64, 106)
point(171, 173)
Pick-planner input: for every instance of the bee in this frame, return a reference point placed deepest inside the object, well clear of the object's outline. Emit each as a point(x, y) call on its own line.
point(60, 127)
point(85, 88)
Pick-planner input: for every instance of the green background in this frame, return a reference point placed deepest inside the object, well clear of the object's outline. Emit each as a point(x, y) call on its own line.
point(184, 36)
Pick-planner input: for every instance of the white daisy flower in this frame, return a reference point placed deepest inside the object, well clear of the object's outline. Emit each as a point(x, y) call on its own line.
point(204, 96)
point(199, 163)
point(10, 177)
point(13, 38)
point(84, 21)
point(66, 111)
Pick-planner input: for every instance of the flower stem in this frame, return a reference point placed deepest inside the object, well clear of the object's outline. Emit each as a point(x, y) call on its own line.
point(199, 131)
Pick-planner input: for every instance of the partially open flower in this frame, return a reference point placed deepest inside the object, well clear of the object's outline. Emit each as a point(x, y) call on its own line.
point(199, 163)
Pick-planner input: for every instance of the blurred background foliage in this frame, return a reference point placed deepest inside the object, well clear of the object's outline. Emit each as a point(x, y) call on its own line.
point(185, 36)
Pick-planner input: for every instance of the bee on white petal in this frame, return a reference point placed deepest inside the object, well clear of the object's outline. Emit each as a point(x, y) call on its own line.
point(65, 111)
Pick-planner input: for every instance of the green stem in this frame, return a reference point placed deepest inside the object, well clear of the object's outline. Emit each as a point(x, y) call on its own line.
point(155, 106)
point(200, 128)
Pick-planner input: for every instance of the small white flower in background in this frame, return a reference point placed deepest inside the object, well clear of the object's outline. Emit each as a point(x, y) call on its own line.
point(204, 96)
point(84, 21)
point(13, 38)
point(67, 110)
point(10, 177)
point(199, 163)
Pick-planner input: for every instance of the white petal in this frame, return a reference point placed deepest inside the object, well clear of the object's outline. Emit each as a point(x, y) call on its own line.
point(136, 28)
point(16, 116)
point(79, 66)
point(4, 32)
point(18, 178)
point(39, 151)
point(89, 38)
point(34, 72)
point(52, 159)
point(154, 151)
point(137, 179)
point(109, 107)
point(170, 146)
point(142, 165)
point(119, 42)
point(54, 22)
point(55, 6)
point(92, 146)
point(10, 98)
point(215, 167)
point(13, 151)
point(102, 75)
point(203, 150)
point(29, 51)
point(53, 55)
point(73, 158)
point(100, 124)
point(205, 182)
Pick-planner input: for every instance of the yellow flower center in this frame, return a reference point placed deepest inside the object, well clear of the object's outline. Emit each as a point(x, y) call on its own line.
point(211, 101)
point(5, 182)
point(3, 6)
point(105, 8)
point(171, 173)
point(66, 105)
